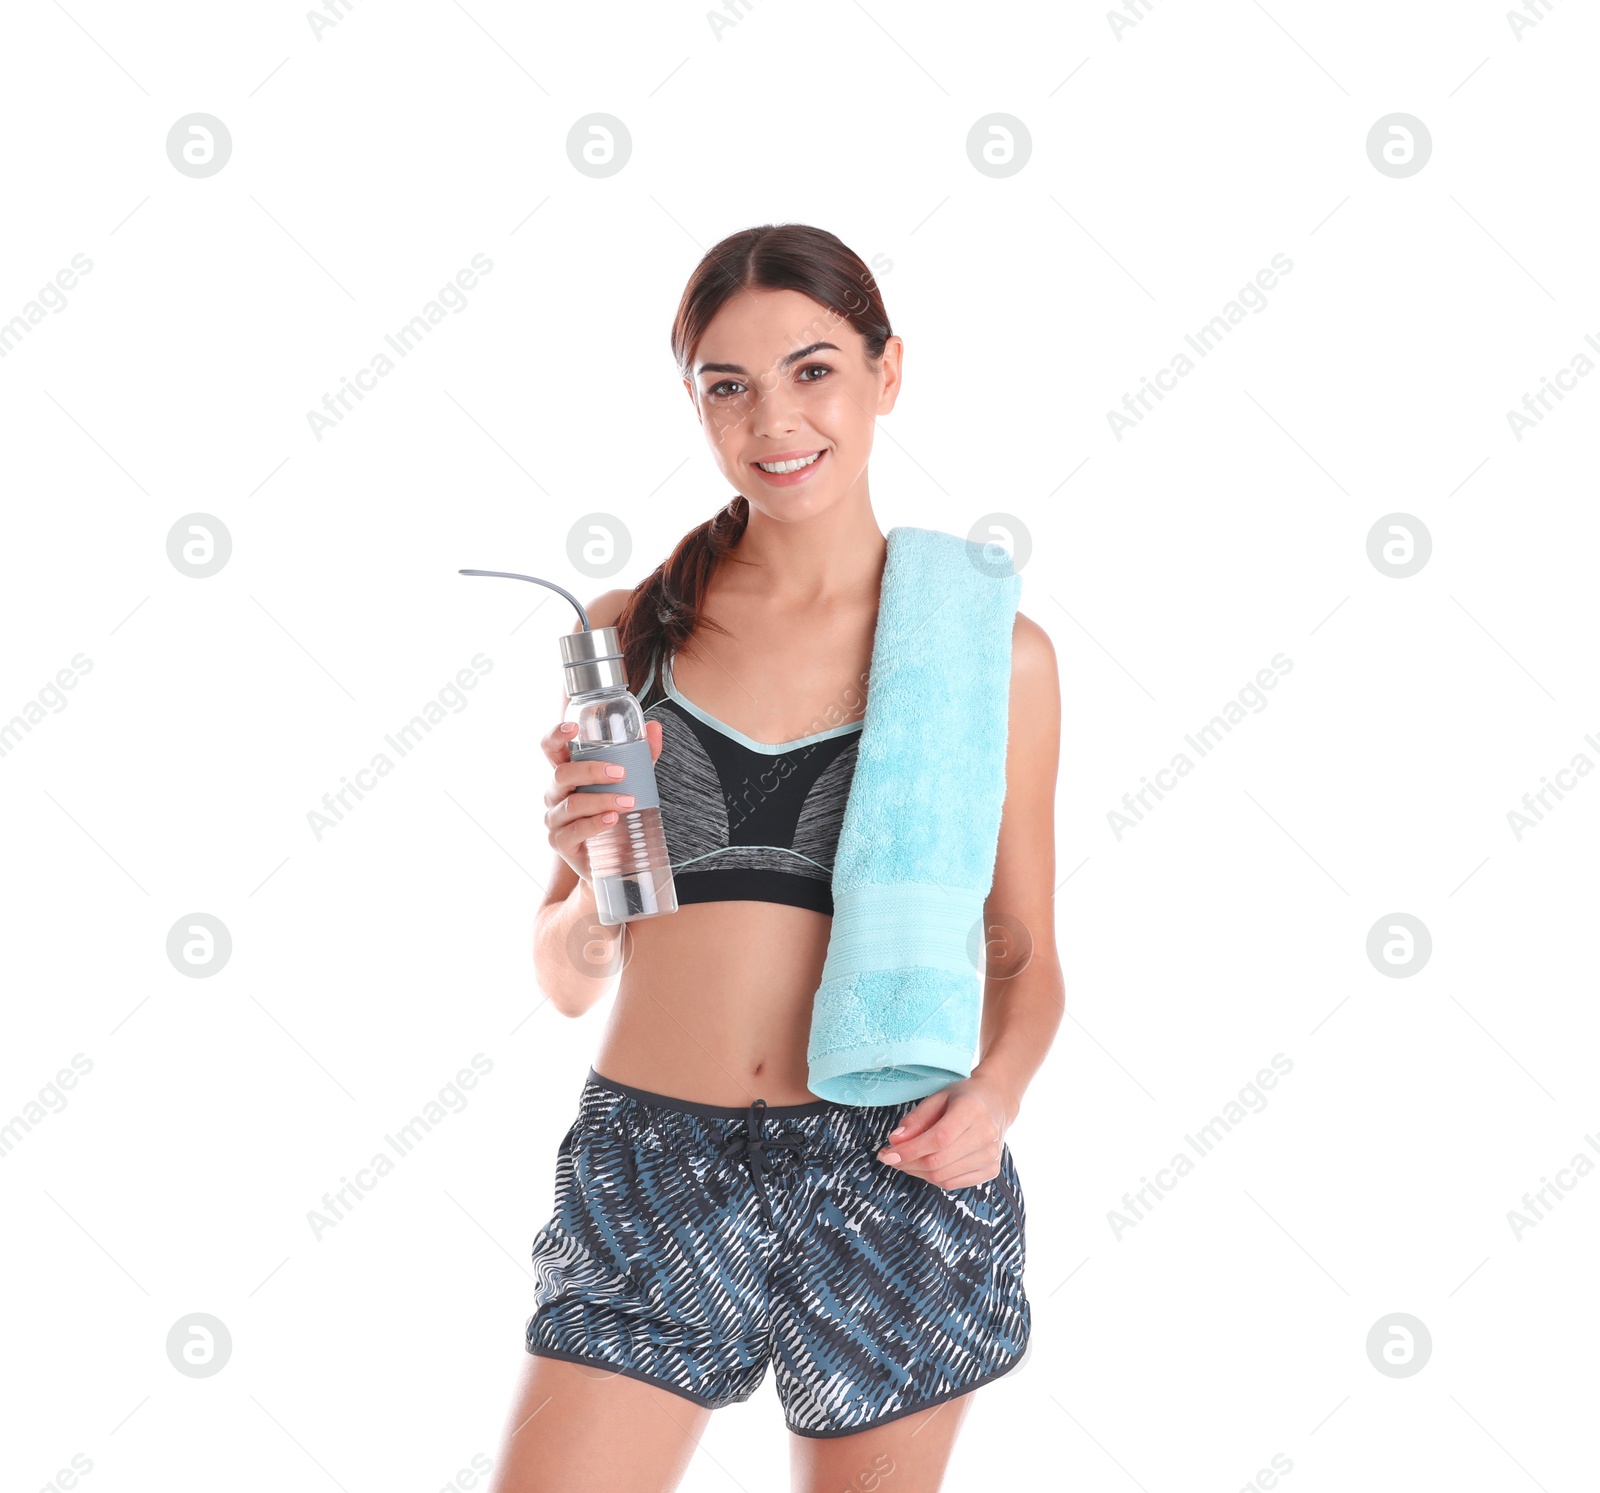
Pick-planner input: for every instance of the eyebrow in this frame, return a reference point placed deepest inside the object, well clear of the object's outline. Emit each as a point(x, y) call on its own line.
point(794, 357)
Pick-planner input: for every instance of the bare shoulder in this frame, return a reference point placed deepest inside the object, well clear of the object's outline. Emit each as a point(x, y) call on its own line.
point(1025, 863)
point(1033, 657)
point(605, 608)
point(1033, 750)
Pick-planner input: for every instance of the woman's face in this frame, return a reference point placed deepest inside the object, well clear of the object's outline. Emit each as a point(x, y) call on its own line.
point(779, 379)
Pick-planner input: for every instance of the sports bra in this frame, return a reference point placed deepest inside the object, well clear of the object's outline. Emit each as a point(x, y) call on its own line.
point(747, 820)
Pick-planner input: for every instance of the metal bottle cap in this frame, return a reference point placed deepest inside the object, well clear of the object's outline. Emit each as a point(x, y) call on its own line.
point(592, 660)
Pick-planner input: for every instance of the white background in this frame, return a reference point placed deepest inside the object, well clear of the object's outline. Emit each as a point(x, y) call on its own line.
point(1168, 165)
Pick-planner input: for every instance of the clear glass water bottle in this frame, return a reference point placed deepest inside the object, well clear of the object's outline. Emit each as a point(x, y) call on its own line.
point(628, 862)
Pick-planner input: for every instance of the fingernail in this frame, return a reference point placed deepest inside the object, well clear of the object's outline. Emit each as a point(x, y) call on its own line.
point(568, 727)
point(898, 1130)
point(616, 770)
point(893, 1156)
point(624, 800)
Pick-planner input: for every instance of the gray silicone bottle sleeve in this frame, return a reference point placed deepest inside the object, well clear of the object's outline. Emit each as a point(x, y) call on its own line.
point(641, 772)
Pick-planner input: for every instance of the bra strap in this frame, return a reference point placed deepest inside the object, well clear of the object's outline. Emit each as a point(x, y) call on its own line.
point(649, 678)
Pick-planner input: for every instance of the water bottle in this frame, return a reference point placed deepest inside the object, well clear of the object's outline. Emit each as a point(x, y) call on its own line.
point(628, 862)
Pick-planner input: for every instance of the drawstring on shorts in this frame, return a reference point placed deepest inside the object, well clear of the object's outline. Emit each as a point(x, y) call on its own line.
point(752, 1147)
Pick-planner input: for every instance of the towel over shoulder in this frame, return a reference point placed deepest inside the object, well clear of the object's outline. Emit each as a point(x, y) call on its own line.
point(898, 1010)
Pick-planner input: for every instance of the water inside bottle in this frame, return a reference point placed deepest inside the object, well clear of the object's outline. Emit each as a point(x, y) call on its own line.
point(630, 871)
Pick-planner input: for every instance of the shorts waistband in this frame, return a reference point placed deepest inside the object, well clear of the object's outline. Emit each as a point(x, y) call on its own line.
point(710, 1111)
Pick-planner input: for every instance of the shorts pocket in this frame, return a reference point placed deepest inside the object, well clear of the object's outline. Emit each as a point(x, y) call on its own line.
point(1009, 1242)
point(574, 1255)
point(1009, 1184)
point(565, 1269)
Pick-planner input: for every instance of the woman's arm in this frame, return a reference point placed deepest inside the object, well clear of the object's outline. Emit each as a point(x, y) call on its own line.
point(953, 1137)
point(1024, 993)
point(574, 953)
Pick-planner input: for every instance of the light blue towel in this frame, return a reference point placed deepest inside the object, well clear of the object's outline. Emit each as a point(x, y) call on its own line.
point(898, 1011)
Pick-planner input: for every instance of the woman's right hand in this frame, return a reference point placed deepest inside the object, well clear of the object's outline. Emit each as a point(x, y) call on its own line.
point(573, 817)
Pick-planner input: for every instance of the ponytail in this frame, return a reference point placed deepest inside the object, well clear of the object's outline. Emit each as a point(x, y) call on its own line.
point(664, 610)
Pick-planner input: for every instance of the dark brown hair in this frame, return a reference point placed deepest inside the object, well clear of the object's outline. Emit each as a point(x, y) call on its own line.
point(664, 609)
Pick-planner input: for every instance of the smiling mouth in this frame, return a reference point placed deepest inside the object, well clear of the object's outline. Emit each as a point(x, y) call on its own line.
point(783, 468)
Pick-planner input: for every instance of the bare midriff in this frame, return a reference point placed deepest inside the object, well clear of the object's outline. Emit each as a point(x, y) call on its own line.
point(714, 1003)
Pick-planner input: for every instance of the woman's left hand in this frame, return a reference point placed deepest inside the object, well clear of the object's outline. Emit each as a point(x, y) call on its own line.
point(953, 1137)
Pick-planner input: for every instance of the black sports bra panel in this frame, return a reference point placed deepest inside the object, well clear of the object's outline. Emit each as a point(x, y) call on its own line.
point(748, 821)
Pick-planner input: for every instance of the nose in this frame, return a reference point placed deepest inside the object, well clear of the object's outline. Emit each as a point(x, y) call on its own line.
point(777, 411)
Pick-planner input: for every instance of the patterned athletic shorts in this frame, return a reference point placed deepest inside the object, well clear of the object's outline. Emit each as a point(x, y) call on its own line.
point(691, 1243)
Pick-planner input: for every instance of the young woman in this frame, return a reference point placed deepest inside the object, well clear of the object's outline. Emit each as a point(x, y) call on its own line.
point(712, 1214)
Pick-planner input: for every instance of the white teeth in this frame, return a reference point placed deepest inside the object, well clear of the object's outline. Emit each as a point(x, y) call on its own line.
point(779, 467)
